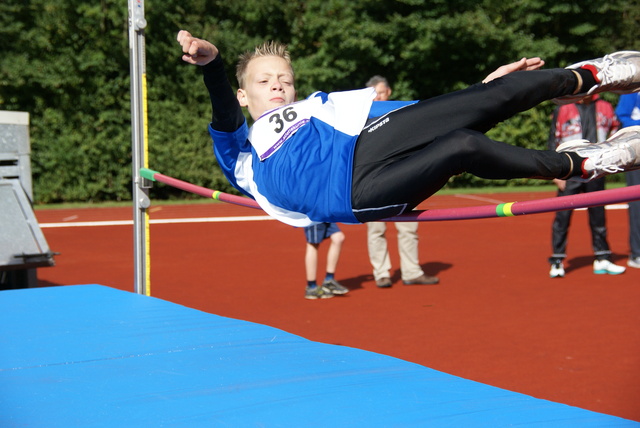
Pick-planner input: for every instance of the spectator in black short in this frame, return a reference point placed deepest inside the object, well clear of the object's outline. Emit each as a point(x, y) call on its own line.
point(315, 235)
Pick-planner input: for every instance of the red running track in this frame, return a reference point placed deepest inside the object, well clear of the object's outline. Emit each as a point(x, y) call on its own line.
point(496, 317)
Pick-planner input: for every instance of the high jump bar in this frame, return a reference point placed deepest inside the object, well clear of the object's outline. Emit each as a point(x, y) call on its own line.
point(507, 209)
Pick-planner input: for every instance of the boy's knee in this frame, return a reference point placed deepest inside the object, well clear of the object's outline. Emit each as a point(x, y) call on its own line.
point(462, 135)
point(338, 238)
point(459, 141)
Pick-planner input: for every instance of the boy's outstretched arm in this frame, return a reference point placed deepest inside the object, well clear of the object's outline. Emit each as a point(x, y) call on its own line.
point(227, 114)
point(196, 51)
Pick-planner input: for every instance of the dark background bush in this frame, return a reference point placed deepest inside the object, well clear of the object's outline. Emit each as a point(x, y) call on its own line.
point(66, 62)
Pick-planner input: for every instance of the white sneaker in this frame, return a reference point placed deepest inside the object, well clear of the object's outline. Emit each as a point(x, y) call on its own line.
point(601, 267)
point(634, 262)
point(619, 153)
point(557, 270)
point(618, 72)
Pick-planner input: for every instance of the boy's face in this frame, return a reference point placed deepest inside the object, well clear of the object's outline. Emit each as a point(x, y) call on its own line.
point(269, 84)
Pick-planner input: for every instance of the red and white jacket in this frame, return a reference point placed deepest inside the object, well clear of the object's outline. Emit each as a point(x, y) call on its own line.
point(567, 124)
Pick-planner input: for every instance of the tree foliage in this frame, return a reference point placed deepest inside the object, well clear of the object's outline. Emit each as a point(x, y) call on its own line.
point(66, 62)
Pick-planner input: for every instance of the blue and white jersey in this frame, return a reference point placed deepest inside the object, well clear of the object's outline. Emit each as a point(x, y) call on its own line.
point(296, 161)
point(305, 177)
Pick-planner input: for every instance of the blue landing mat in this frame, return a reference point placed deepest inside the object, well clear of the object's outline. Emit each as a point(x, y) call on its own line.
point(92, 356)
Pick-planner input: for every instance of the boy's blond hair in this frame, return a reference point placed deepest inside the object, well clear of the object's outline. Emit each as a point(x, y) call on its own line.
point(266, 49)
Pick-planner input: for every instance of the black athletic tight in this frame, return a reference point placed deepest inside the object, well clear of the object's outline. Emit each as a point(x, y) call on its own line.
point(404, 157)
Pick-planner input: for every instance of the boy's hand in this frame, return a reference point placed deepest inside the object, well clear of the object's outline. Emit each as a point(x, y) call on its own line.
point(522, 65)
point(196, 51)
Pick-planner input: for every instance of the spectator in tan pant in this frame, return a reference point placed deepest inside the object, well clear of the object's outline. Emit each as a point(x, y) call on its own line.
point(410, 269)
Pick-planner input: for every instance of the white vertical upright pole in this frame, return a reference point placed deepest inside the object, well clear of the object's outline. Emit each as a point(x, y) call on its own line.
point(141, 202)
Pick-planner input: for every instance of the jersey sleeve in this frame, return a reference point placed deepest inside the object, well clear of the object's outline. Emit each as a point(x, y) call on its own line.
point(232, 151)
point(226, 111)
point(380, 108)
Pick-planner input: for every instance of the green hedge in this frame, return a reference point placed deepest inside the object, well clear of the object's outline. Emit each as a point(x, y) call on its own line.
point(66, 62)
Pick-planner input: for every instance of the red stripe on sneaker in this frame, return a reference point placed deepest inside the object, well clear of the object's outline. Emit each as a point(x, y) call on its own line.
point(593, 71)
point(584, 175)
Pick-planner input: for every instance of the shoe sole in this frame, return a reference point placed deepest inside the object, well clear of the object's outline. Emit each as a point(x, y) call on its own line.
point(576, 145)
point(421, 283)
point(573, 146)
point(312, 297)
point(605, 272)
point(384, 284)
point(626, 130)
point(336, 291)
point(635, 86)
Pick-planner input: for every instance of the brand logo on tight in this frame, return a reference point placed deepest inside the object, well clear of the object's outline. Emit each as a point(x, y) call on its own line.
point(378, 125)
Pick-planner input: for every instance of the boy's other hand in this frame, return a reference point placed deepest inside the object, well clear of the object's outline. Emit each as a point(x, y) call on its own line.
point(523, 65)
